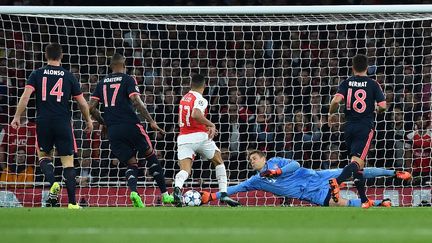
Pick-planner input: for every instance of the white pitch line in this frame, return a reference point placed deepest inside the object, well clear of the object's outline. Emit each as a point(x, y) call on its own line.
point(209, 231)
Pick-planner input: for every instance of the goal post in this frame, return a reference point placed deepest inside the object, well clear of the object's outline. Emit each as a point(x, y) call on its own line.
point(271, 70)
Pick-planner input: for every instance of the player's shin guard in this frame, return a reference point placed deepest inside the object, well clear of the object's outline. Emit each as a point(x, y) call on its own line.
point(180, 178)
point(359, 183)
point(69, 175)
point(348, 172)
point(131, 177)
point(156, 171)
point(221, 176)
point(47, 169)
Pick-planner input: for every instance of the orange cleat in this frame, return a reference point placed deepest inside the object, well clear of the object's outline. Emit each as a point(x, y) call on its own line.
point(368, 204)
point(385, 203)
point(403, 175)
point(334, 190)
point(207, 197)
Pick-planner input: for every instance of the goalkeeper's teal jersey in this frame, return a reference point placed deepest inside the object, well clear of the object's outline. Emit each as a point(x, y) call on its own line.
point(297, 182)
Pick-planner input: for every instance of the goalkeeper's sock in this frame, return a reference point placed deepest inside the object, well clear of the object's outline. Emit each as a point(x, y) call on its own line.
point(131, 177)
point(358, 203)
point(47, 169)
point(180, 178)
point(221, 176)
point(156, 171)
point(354, 203)
point(377, 202)
point(376, 172)
point(359, 183)
point(69, 175)
point(348, 172)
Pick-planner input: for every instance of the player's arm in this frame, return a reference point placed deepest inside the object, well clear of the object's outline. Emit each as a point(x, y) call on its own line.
point(334, 105)
point(140, 106)
point(83, 106)
point(284, 166)
point(198, 115)
point(22, 105)
point(94, 111)
point(244, 186)
point(380, 99)
point(337, 99)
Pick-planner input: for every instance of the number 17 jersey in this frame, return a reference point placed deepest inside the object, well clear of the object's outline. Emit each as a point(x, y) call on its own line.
point(187, 124)
point(114, 92)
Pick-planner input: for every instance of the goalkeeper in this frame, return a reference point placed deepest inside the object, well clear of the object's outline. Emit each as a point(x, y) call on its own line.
point(285, 177)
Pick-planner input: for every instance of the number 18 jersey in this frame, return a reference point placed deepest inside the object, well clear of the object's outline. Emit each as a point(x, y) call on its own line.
point(360, 94)
point(187, 124)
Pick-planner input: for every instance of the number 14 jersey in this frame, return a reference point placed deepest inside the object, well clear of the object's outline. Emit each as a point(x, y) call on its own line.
point(53, 86)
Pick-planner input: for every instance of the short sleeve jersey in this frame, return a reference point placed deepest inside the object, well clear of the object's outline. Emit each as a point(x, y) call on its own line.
point(54, 86)
point(360, 94)
point(114, 91)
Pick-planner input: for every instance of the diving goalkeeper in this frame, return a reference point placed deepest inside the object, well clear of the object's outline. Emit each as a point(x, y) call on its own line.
point(285, 177)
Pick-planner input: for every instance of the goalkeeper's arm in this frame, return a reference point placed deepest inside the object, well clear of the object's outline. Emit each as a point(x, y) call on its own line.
point(287, 166)
point(242, 187)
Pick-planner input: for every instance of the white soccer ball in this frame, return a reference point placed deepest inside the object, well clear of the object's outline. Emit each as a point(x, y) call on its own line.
point(192, 198)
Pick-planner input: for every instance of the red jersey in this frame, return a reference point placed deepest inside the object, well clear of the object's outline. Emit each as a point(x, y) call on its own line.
point(422, 151)
point(23, 139)
point(189, 102)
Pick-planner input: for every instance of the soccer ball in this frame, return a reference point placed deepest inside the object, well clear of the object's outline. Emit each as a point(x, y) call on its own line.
point(192, 198)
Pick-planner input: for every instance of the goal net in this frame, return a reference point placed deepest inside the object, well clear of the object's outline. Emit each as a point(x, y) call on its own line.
point(270, 80)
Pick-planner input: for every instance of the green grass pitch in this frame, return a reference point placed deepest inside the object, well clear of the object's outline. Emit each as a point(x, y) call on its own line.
point(216, 224)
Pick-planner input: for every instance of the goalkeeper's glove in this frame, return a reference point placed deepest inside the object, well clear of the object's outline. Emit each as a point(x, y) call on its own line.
point(207, 197)
point(271, 173)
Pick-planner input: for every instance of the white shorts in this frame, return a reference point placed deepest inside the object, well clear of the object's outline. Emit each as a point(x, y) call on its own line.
point(206, 149)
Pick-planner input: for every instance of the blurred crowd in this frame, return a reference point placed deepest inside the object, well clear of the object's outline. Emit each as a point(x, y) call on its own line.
point(268, 89)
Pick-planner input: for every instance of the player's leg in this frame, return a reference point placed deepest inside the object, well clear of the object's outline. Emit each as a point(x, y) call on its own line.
point(144, 145)
point(66, 147)
point(45, 142)
point(185, 165)
point(358, 139)
point(359, 150)
point(372, 172)
point(132, 180)
point(357, 203)
point(210, 150)
point(69, 175)
point(124, 152)
point(352, 139)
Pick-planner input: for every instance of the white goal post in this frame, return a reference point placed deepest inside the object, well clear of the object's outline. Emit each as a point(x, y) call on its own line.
point(272, 71)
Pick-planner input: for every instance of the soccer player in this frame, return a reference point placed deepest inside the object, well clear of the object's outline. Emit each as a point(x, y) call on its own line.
point(196, 134)
point(120, 96)
point(54, 87)
point(285, 177)
point(360, 93)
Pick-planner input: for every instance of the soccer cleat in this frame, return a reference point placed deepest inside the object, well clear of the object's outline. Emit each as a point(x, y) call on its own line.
point(136, 200)
point(334, 190)
point(177, 197)
point(368, 204)
point(167, 198)
point(385, 203)
point(226, 199)
point(53, 195)
point(74, 206)
point(403, 175)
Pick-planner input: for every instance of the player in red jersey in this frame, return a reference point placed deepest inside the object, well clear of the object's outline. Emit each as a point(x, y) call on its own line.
point(196, 136)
